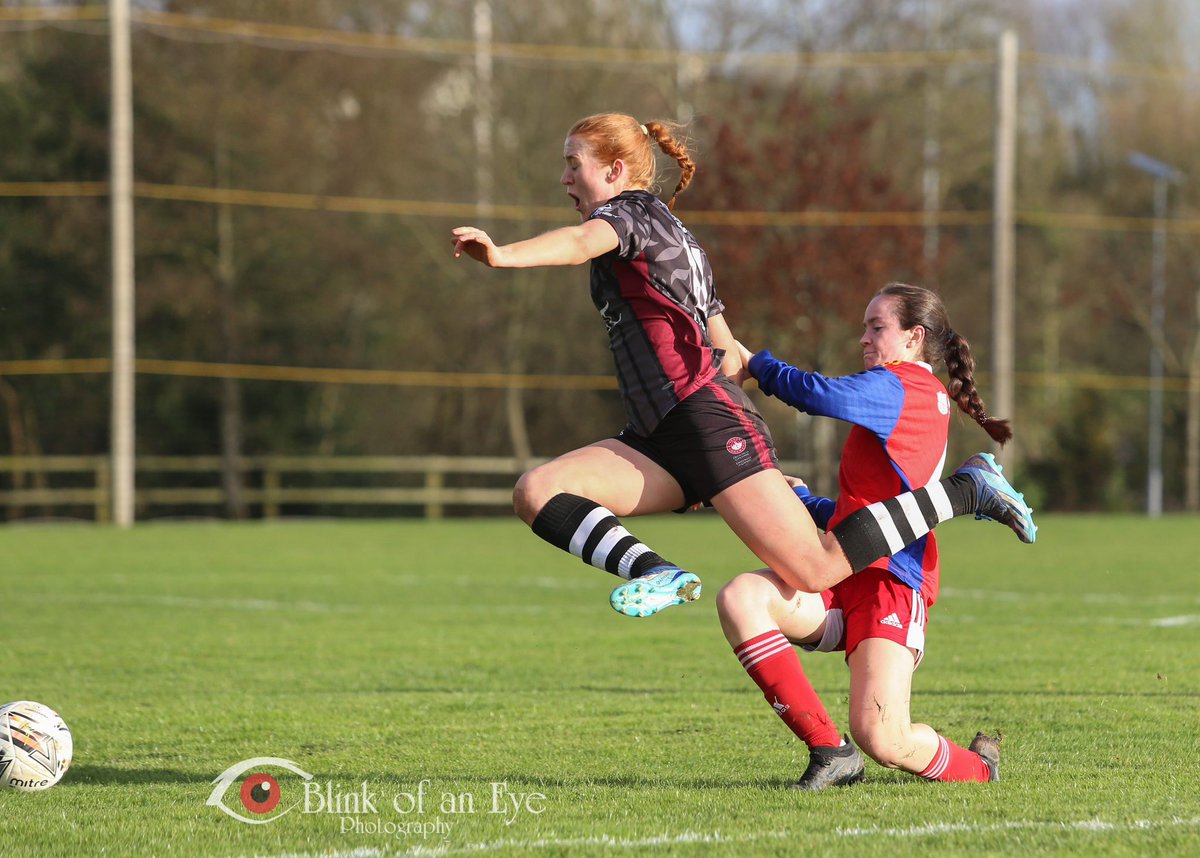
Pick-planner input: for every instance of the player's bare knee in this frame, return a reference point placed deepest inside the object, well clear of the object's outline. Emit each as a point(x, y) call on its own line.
point(730, 599)
point(531, 493)
point(872, 743)
point(745, 594)
point(742, 607)
point(881, 742)
point(521, 501)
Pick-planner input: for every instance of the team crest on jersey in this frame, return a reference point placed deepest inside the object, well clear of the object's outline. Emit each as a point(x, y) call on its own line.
point(943, 402)
point(735, 446)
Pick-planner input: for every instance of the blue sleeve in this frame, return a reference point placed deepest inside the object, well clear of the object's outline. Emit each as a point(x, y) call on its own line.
point(821, 509)
point(871, 399)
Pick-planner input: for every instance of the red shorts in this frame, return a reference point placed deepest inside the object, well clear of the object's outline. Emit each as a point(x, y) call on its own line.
point(872, 604)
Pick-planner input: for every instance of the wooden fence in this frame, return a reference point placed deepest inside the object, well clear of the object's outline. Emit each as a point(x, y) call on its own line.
point(53, 486)
point(44, 486)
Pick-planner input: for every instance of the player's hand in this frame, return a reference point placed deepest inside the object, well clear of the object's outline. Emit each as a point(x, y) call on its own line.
point(745, 353)
point(795, 482)
point(733, 359)
point(477, 244)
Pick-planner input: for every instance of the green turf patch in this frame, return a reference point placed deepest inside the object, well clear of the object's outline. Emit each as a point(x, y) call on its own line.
point(467, 690)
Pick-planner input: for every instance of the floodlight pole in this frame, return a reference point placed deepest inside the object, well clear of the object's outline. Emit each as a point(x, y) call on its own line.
point(1163, 175)
point(484, 149)
point(1003, 237)
point(1154, 443)
point(121, 202)
point(931, 152)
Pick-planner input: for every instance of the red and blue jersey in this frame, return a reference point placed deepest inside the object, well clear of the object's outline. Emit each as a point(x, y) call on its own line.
point(901, 420)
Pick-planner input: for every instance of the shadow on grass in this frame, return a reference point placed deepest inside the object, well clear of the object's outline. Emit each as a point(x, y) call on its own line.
point(555, 690)
point(523, 782)
point(88, 774)
point(516, 783)
point(1037, 692)
point(566, 690)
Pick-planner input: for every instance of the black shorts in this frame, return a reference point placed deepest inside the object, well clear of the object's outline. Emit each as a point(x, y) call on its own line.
point(709, 441)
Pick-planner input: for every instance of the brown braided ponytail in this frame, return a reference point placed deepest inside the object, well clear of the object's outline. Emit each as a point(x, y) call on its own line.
point(916, 306)
point(613, 136)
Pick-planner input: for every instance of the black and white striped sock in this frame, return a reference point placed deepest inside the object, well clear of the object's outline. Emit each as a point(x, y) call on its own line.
point(884, 528)
point(594, 535)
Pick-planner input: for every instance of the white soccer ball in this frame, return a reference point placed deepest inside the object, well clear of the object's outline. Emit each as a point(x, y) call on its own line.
point(35, 746)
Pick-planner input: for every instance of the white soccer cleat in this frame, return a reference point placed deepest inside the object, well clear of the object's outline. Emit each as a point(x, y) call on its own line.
point(655, 591)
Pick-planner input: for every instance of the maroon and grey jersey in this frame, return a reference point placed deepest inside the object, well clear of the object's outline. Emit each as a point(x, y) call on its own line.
point(655, 292)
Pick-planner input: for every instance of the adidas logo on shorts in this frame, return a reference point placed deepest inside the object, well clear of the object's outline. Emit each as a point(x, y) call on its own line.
point(892, 620)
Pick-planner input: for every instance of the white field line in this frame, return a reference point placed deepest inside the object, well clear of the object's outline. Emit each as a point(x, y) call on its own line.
point(266, 605)
point(1087, 598)
point(1171, 622)
point(1089, 620)
point(1094, 826)
point(1175, 621)
point(311, 607)
point(986, 595)
point(604, 840)
point(567, 582)
point(168, 601)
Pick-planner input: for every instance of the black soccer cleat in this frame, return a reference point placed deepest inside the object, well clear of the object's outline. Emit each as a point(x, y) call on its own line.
point(988, 749)
point(830, 767)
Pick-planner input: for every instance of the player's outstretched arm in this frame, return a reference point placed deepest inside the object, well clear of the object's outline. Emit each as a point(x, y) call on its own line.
point(571, 245)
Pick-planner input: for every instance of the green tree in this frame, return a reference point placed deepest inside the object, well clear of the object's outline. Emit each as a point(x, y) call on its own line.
point(53, 250)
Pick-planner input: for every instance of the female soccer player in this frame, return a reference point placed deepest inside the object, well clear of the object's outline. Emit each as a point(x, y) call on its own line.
point(692, 435)
point(901, 414)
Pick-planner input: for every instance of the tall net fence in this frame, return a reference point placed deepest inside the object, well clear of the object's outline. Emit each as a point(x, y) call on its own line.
point(298, 168)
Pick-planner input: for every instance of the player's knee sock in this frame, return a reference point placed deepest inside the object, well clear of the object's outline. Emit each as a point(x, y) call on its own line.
point(594, 535)
point(881, 529)
point(952, 762)
point(774, 666)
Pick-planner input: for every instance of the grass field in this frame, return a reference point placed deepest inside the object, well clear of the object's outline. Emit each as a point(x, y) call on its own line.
point(467, 659)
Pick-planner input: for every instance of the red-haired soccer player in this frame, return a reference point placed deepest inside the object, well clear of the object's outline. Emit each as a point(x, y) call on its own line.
point(692, 435)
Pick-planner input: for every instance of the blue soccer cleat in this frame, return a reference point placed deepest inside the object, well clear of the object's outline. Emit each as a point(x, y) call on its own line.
point(996, 499)
point(657, 590)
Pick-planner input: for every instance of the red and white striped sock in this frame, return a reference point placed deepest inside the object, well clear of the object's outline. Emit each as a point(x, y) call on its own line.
point(955, 763)
point(774, 666)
